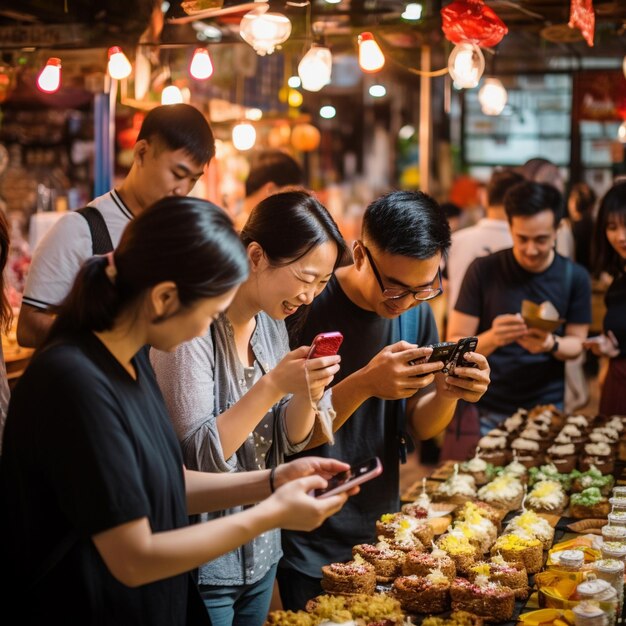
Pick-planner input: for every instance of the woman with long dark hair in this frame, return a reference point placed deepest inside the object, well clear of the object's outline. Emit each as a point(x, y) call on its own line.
point(6, 317)
point(609, 256)
point(95, 496)
point(239, 398)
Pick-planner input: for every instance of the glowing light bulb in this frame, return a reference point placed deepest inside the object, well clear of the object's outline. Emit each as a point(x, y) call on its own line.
point(49, 79)
point(171, 95)
point(466, 65)
point(264, 30)
point(492, 96)
point(294, 99)
point(412, 11)
point(201, 67)
point(119, 65)
point(621, 132)
point(254, 114)
point(328, 112)
point(244, 136)
point(315, 68)
point(371, 57)
point(377, 91)
point(294, 82)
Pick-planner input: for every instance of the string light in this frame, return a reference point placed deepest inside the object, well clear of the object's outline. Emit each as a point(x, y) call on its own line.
point(371, 57)
point(49, 79)
point(171, 95)
point(328, 112)
point(201, 66)
point(264, 30)
point(244, 136)
point(294, 82)
point(621, 132)
point(377, 91)
point(412, 11)
point(492, 96)
point(466, 65)
point(119, 66)
point(315, 68)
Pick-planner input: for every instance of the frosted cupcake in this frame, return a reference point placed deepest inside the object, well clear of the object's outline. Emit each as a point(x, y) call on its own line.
point(494, 450)
point(600, 455)
point(547, 496)
point(562, 456)
point(528, 452)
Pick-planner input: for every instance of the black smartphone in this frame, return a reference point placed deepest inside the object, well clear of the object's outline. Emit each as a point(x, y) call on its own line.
point(357, 474)
point(450, 353)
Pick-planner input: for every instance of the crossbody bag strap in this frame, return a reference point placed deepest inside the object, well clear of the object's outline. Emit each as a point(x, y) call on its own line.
point(100, 237)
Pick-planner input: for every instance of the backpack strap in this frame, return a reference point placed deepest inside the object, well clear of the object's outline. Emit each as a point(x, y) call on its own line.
point(404, 329)
point(100, 238)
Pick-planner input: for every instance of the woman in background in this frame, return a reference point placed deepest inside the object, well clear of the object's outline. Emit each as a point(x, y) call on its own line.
point(609, 256)
point(6, 317)
point(94, 493)
point(580, 205)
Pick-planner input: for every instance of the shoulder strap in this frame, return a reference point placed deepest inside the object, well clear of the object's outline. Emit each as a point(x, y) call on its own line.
point(100, 238)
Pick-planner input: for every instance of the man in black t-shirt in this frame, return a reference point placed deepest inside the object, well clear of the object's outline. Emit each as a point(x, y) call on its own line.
point(384, 386)
point(527, 363)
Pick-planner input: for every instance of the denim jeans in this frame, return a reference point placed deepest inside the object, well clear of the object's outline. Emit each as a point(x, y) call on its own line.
point(239, 605)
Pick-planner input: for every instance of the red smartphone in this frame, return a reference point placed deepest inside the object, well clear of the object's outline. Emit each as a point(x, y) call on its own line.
point(357, 474)
point(325, 344)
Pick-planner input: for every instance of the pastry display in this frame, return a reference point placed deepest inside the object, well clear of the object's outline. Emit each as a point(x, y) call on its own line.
point(460, 550)
point(509, 575)
point(479, 469)
point(562, 456)
point(488, 600)
point(529, 453)
point(457, 618)
point(422, 563)
point(386, 561)
point(494, 450)
point(423, 594)
point(516, 470)
point(589, 503)
point(379, 609)
point(530, 525)
point(547, 496)
point(598, 455)
point(394, 525)
point(357, 576)
point(593, 477)
point(516, 549)
point(458, 489)
point(479, 530)
point(492, 513)
point(505, 492)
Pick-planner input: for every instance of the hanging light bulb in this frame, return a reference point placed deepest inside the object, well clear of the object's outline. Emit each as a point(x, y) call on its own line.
point(315, 68)
point(371, 57)
point(49, 79)
point(201, 67)
point(171, 95)
point(621, 132)
point(244, 136)
point(412, 11)
point(119, 65)
point(466, 65)
point(264, 30)
point(328, 111)
point(492, 96)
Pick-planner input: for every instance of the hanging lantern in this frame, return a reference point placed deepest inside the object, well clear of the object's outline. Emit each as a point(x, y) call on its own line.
point(49, 80)
point(264, 30)
point(201, 67)
point(492, 96)
point(371, 57)
point(171, 95)
point(582, 16)
point(305, 137)
point(315, 68)
point(466, 65)
point(244, 136)
point(119, 66)
point(473, 21)
point(279, 135)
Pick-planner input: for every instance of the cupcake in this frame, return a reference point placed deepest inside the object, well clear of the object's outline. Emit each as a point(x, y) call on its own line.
point(479, 530)
point(528, 452)
point(492, 513)
point(593, 477)
point(589, 503)
point(386, 561)
point(582, 422)
point(549, 471)
point(356, 576)
point(460, 550)
point(502, 573)
point(536, 433)
point(562, 456)
point(599, 455)
point(529, 525)
point(547, 412)
point(490, 601)
point(458, 489)
point(517, 470)
point(504, 491)
point(516, 549)
point(479, 469)
point(547, 496)
point(493, 450)
point(422, 563)
point(574, 434)
point(423, 594)
point(515, 422)
point(390, 523)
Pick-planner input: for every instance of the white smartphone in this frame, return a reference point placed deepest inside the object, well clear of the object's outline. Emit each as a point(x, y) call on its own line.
point(357, 474)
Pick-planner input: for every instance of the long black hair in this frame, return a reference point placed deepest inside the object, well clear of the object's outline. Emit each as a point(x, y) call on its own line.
point(604, 256)
point(290, 224)
point(188, 241)
point(6, 313)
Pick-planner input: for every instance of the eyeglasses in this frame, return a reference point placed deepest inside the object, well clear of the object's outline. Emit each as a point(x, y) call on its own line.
point(426, 293)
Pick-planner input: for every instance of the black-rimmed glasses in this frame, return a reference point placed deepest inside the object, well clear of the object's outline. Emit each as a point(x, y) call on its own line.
point(426, 293)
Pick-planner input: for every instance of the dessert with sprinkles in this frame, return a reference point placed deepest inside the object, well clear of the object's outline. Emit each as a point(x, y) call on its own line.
point(423, 594)
point(356, 576)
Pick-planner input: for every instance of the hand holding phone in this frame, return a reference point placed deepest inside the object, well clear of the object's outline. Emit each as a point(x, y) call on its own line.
point(451, 354)
point(356, 475)
point(325, 344)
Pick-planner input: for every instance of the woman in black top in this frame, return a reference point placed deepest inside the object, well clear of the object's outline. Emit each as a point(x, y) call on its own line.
point(95, 498)
point(610, 256)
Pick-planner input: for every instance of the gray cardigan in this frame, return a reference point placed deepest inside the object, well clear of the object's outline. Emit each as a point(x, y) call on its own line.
point(201, 380)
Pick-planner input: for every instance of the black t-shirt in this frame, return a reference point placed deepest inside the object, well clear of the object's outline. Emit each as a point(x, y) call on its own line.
point(615, 317)
point(496, 284)
point(87, 448)
point(371, 431)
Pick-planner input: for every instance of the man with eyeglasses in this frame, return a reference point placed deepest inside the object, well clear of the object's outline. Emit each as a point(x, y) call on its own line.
point(385, 386)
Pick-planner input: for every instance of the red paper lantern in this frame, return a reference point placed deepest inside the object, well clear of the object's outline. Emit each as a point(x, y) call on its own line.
point(305, 137)
point(473, 21)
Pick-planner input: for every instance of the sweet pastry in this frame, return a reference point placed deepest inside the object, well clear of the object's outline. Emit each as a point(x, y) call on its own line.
point(547, 496)
point(529, 525)
point(379, 609)
point(493, 450)
point(593, 477)
point(460, 550)
point(422, 563)
point(386, 561)
point(515, 422)
point(537, 433)
point(589, 503)
point(549, 471)
point(457, 618)
point(516, 549)
point(505, 492)
point(479, 530)
point(528, 452)
point(415, 509)
point(423, 594)
point(600, 455)
point(390, 523)
point(481, 470)
point(562, 456)
point(517, 470)
point(605, 434)
point(502, 573)
point(573, 433)
point(356, 576)
point(492, 513)
point(490, 601)
point(457, 489)
point(547, 412)
point(290, 618)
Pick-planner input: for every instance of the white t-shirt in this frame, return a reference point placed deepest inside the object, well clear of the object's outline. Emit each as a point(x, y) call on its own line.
point(486, 236)
point(65, 247)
